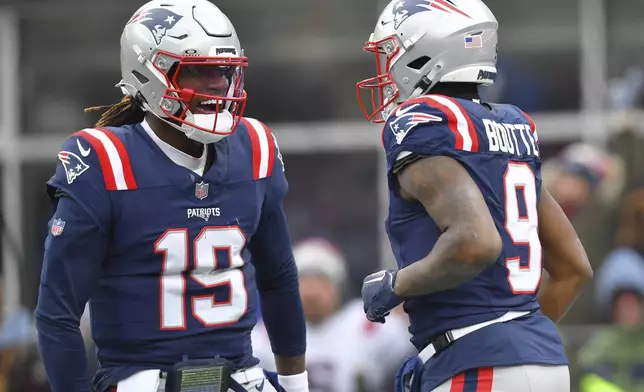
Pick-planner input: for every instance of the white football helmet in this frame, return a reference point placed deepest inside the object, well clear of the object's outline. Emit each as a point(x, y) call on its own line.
point(181, 60)
point(419, 43)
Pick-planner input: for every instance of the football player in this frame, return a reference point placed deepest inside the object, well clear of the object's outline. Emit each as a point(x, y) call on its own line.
point(168, 219)
point(341, 343)
point(469, 223)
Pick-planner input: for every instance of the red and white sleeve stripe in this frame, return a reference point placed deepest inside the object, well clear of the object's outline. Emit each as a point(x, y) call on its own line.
point(113, 157)
point(458, 121)
point(263, 146)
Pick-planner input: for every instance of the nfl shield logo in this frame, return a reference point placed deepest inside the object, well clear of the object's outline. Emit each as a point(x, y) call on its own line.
point(57, 227)
point(201, 190)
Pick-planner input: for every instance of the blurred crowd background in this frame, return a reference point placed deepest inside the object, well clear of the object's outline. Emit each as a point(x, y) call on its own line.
point(576, 66)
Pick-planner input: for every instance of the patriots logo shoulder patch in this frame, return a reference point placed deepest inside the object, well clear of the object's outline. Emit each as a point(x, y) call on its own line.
point(73, 165)
point(158, 20)
point(405, 119)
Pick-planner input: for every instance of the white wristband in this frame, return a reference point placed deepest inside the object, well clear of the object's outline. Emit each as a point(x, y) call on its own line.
point(294, 383)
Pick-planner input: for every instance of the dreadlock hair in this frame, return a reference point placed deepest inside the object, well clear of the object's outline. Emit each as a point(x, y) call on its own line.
point(126, 112)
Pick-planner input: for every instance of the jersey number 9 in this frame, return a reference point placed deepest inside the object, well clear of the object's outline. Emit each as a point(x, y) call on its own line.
point(522, 227)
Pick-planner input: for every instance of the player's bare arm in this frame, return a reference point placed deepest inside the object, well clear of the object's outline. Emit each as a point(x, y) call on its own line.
point(288, 366)
point(470, 241)
point(564, 259)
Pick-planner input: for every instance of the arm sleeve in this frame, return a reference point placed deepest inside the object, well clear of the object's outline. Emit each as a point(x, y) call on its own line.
point(277, 279)
point(75, 249)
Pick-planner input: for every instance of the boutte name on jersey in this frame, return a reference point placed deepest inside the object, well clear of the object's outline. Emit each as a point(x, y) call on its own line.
point(503, 137)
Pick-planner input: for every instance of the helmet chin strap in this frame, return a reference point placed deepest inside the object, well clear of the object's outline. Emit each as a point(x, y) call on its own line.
point(224, 124)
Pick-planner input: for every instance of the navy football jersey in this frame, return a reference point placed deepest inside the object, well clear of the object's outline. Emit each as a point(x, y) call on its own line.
point(179, 252)
point(498, 146)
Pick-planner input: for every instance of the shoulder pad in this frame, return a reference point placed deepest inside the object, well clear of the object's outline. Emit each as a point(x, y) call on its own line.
point(531, 123)
point(433, 110)
point(428, 125)
point(112, 156)
point(90, 164)
point(264, 147)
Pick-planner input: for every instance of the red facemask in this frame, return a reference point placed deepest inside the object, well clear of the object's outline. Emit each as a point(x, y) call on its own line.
point(381, 90)
point(211, 86)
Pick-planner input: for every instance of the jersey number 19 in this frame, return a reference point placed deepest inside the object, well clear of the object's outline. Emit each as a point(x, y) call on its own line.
point(207, 272)
point(522, 227)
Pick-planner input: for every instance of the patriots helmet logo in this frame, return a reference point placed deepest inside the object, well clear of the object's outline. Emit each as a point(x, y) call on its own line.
point(158, 20)
point(73, 165)
point(404, 120)
point(403, 9)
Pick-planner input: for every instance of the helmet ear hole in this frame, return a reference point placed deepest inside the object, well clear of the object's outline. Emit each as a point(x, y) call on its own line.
point(419, 63)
